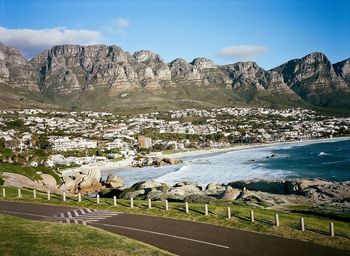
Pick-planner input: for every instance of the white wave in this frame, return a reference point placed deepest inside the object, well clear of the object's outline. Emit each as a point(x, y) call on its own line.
point(224, 168)
point(323, 154)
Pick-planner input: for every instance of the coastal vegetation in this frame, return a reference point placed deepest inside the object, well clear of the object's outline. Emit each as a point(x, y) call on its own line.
point(29, 171)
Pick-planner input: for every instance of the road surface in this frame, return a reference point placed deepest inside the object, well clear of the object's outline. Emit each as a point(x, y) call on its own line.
point(176, 236)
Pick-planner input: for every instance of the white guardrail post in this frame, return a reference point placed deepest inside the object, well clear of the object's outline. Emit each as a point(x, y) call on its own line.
point(252, 216)
point(302, 224)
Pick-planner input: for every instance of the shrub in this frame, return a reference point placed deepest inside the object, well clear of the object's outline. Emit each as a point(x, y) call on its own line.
point(1, 181)
point(197, 198)
point(125, 192)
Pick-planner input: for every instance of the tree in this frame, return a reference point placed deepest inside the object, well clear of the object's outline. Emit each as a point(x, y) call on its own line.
point(2, 144)
point(43, 142)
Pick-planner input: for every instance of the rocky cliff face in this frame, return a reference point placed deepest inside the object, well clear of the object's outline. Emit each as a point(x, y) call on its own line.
point(249, 76)
point(15, 70)
point(343, 70)
point(73, 68)
point(312, 76)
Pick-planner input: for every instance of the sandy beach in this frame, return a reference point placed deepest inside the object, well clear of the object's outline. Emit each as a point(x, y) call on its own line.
point(248, 146)
point(106, 167)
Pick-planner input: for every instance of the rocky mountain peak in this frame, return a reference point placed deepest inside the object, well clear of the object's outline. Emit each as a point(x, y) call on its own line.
point(147, 56)
point(248, 76)
point(15, 70)
point(342, 69)
point(315, 57)
point(203, 63)
point(312, 77)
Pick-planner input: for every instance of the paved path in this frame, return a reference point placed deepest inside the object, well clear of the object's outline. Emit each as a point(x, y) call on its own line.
point(179, 237)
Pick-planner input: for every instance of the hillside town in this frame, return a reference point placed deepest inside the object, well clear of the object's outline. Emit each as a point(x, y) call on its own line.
point(57, 138)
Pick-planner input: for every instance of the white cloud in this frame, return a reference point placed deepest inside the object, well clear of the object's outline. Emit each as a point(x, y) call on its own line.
point(117, 26)
point(121, 22)
point(33, 41)
point(242, 52)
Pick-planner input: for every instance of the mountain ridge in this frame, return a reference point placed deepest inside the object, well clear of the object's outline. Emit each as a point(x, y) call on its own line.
point(73, 71)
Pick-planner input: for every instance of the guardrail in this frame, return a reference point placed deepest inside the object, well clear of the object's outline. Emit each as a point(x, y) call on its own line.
point(166, 207)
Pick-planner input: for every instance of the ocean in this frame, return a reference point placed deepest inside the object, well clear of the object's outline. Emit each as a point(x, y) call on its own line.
point(327, 160)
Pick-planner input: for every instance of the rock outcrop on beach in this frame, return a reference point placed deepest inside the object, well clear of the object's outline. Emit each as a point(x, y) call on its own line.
point(155, 161)
point(317, 189)
point(260, 193)
point(114, 181)
point(86, 182)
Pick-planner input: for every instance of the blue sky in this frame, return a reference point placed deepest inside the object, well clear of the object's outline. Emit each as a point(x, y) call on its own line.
point(268, 32)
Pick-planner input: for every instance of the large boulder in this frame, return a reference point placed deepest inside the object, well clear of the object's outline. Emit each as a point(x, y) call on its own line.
point(89, 185)
point(21, 181)
point(115, 181)
point(172, 161)
point(48, 181)
point(146, 184)
point(214, 189)
point(231, 194)
point(86, 182)
point(132, 193)
point(94, 173)
point(182, 189)
point(68, 184)
point(270, 186)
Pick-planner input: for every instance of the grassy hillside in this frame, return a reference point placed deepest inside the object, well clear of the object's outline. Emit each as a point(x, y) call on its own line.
point(30, 172)
point(25, 237)
point(142, 100)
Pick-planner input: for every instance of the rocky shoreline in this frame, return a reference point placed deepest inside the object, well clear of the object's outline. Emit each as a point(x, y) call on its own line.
point(271, 193)
point(259, 191)
point(267, 193)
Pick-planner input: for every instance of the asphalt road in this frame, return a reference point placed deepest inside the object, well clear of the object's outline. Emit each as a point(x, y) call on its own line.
point(176, 236)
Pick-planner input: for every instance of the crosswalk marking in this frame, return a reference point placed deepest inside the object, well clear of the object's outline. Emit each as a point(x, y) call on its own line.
point(83, 216)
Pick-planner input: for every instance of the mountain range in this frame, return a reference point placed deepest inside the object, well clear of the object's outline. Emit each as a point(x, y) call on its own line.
point(100, 77)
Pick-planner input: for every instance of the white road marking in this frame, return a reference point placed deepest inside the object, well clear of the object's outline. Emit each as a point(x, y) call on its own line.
point(164, 234)
point(76, 213)
point(29, 214)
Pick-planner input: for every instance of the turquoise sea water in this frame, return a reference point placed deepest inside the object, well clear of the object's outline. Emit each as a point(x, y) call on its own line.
point(328, 160)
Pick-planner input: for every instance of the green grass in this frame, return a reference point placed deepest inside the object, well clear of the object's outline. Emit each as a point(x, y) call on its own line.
point(317, 227)
point(24, 237)
point(30, 172)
